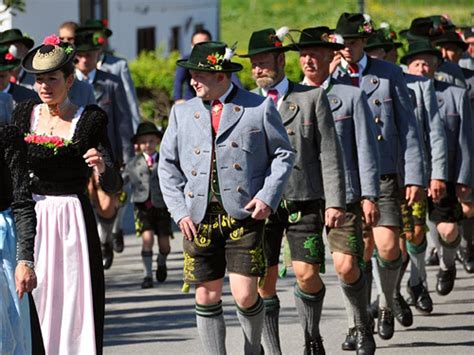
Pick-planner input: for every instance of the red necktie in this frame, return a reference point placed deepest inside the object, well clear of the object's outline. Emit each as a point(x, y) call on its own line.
point(150, 161)
point(273, 94)
point(216, 114)
point(354, 70)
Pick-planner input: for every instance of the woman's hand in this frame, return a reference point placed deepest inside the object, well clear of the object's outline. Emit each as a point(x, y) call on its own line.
point(94, 160)
point(25, 279)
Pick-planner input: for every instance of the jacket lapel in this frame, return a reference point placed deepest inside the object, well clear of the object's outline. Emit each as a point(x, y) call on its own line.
point(231, 114)
point(369, 83)
point(98, 87)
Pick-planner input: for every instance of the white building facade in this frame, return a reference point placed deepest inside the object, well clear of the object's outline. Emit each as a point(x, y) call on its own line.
point(136, 24)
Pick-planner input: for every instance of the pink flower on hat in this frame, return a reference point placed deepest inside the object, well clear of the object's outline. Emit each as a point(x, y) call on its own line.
point(52, 40)
point(9, 56)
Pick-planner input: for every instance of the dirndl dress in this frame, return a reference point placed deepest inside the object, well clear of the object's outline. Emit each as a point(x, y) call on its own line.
point(15, 329)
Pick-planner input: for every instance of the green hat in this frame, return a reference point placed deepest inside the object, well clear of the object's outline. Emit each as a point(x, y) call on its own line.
point(89, 41)
point(15, 35)
point(7, 60)
point(147, 127)
point(210, 57)
point(452, 37)
point(354, 25)
point(50, 56)
point(320, 36)
point(378, 39)
point(420, 47)
point(95, 26)
point(266, 41)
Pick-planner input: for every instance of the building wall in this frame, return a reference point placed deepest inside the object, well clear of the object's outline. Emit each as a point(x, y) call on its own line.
point(43, 17)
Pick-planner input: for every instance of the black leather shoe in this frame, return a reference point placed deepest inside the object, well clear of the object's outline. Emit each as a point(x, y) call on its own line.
point(314, 347)
point(117, 241)
point(161, 273)
point(466, 256)
point(350, 343)
point(445, 282)
point(365, 342)
point(147, 282)
point(402, 311)
point(107, 255)
point(420, 298)
point(433, 259)
point(385, 324)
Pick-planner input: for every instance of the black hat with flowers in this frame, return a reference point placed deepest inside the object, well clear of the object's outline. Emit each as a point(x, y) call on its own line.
point(50, 56)
point(147, 127)
point(95, 26)
point(431, 27)
point(7, 60)
point(378, 39)
point(211, 57)
point(422, 46)
point(354, 25)
point(451, 37)
point(267, 41)
point(89, 41)
point(15, 35)
point(320, 36)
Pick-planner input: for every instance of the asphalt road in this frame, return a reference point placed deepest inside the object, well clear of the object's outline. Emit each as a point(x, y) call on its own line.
point(162, 321)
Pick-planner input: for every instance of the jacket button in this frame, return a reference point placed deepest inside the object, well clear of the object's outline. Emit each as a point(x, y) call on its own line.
point(197, 151)
point(290, 132)
point(237, 109)
point(380, 137)
point(237, 166)
point(377, 102)
point(240, 189)
point(334, 101)
point(194, 173)
point(197, 115)
point(190, 194)
point(377, 119)
point(374, 81)
point(292, 107)
point(234, 144)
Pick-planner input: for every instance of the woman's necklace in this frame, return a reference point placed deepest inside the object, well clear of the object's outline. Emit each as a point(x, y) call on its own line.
point(56, 110)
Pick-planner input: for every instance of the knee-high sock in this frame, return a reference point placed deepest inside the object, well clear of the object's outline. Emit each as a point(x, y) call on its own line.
point(147, 258)
point(309, 307)
point(251, 320)
point(368, 272)
point(356, 295)
point(349, 309)
point(433, 236)
point(271, 335)
point(117, 227)
point(161, 260)
point(447, 257)
point(403, 268)
point(388, 272)
point(467, 233)
point(417, 257)
point(211, 328)
point(376, 275)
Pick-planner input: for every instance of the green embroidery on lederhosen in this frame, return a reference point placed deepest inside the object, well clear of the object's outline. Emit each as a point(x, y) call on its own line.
point(203, 237)
point(138, 224)
point(188, 267)
point(257, 258)
point(356, 245)
point(407, 219)
point(419, 209)
point(316, 250)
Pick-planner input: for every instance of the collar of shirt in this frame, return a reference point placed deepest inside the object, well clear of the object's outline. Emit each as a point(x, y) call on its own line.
point(101, 60)
point(7, 88)
point(324, 85)
point(281, 87)
point(90, 76)
point(362, 63)
point(223, 97)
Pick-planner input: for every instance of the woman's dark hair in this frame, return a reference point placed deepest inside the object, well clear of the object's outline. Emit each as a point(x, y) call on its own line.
point(67, 69)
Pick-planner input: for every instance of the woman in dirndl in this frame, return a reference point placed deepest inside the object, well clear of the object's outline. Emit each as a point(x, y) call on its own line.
point(65, 145)
point(17, 233)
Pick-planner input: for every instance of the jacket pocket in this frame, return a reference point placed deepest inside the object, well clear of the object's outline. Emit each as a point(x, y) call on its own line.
point(250, 140)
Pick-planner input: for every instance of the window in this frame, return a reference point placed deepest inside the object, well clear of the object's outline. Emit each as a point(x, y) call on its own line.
point(146, 39)
point(93, 9)
point(175, 36)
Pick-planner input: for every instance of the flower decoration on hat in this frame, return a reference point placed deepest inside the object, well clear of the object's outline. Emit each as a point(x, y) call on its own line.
point(52, 40)
point(336, 38)
point(9, 56)
point(51, 54)
point(277, 38)
point(367, 27)
point(98, 38)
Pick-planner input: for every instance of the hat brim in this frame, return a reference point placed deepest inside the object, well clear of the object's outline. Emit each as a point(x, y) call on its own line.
point(354, 35)
point(156, 133)
point(88, 48)
point(463, 45)
point(435, 52)
point(28, 42)
point(233, 67)
point(253, 52)
point(15, 63)
point(298, 46)
point(106, 31)
point(27, 62)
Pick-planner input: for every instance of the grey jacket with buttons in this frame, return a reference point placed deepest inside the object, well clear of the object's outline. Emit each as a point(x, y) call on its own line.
point(253, 156)
point(392, 110)
point(355, 128)
point(455, 112)
point(430, 127)
point(144, 182)
point(318, 171)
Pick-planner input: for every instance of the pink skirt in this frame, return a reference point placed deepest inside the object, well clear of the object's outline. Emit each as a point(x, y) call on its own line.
point(63, 297)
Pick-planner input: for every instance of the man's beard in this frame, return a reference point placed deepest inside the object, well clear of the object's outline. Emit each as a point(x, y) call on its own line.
point(268, 81)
